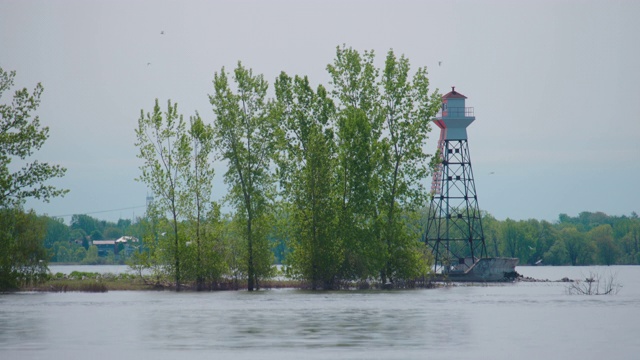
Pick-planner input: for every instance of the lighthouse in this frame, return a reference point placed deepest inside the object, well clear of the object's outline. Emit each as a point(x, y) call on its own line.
point(454, 225)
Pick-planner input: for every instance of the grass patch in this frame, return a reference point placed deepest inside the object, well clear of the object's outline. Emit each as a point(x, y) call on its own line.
point(97, 283)
point(90, 282)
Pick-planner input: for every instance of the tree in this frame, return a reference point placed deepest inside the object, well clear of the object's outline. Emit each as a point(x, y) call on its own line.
point(491, 228)
point(244, 131)
point(557, 254)
point(112, 233)
point(358, 129)
point(382, 126)
point(91, 257)
point(23, 259)
point(151, 255)
point(200, 182)
point(86, 223)
point(546, 237)
point(510, 237)
point(214, 250)
point(408, 108)
point(306, 168)
point(96, 235)
point(579, 249)
point(608, 251)
point(56, 231)
point(626, 236)
point(165, 149)
point(20, 137)
point(62, 253)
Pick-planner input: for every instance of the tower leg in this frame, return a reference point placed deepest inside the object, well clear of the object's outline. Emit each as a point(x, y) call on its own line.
point(454, 225)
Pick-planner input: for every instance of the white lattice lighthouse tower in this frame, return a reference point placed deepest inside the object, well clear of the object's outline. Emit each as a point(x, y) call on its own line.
point(454, 227)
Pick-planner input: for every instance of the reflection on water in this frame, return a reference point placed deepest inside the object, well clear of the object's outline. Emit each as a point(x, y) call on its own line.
point(509, 321)
point(287, 319)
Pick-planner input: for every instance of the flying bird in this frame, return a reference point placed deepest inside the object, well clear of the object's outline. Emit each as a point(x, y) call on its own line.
point(439, 63)
point(162, 32)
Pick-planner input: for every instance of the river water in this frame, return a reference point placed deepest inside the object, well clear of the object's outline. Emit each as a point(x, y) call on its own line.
point(498, 321)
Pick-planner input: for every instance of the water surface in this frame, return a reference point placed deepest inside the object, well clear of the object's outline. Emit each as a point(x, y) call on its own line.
point(507, 321)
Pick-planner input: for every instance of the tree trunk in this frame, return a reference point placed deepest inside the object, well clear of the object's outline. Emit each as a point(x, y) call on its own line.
point(177, 255)
point(250, 270)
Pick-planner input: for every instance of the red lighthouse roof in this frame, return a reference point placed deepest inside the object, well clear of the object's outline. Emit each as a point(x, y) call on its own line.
point(453, 94)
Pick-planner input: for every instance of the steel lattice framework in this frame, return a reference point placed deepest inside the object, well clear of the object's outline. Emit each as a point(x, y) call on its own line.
point(454, 226)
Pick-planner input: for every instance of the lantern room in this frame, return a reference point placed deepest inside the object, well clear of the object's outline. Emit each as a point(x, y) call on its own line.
point(454, 117)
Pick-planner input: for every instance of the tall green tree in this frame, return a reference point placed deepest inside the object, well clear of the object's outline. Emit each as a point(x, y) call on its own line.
point(244, 132)
point(382, 127)
point(21, 135)
point(200, 184)
point(408, 108)
point(23, 257)
point(306, 168)
point(165, 149)
point(358, 130)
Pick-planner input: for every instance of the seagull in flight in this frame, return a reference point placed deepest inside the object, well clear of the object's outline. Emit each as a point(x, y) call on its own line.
point(439, 63)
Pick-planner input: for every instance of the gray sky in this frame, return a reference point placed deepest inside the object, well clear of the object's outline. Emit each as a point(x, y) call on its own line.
point(555, 85)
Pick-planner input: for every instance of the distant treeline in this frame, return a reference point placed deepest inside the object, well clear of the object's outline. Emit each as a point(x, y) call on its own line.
point(590, 238)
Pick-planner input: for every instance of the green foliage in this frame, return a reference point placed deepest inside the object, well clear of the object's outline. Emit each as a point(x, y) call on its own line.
point(67, 252)
point(21, 135)
point(150, 256)
point(608, 250)
point(589, 238)
point(91, 257)
point(408, 108)
point(23, 259)
point(178, 169)
point(557, 254)
point(351, 166)
point(85, 223)
point(306, 166)
point(205, 254)
point(382, 127)
point(243, 133)
point(491, 234)
point(165, 148)
point(57, 231)
point(111, 233)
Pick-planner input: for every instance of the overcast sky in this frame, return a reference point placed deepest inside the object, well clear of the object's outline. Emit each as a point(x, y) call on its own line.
point(555, 85)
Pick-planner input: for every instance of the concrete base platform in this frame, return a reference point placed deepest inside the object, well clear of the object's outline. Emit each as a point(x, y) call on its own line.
point(483, 270)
